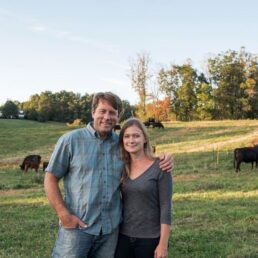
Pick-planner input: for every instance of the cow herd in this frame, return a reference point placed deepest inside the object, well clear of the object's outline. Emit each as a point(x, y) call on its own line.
point(33, 162)
point(245, 154)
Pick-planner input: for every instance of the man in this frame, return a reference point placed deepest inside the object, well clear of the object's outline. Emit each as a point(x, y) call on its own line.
point(89, 162)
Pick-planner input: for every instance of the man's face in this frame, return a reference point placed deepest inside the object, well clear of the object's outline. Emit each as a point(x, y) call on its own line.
point(105, 118)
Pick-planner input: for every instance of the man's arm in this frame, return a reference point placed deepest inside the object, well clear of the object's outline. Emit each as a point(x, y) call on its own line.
point(166, 163)
point(56, 200)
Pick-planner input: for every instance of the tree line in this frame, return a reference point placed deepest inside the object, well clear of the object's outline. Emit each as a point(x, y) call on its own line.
point(228, 89)
point(62, 106)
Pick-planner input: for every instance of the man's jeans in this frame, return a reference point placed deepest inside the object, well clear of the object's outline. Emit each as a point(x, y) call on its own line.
point(74, 243)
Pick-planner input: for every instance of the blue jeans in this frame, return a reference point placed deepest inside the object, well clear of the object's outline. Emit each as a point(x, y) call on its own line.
point(74, 243)
point(132, 247)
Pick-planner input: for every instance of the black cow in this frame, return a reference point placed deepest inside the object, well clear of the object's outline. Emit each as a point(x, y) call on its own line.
point(117, 128)
point(158, 125)
point(45, 164)
point(147, 124)
point(151, 122)
point(32, 162)
point(247, 155)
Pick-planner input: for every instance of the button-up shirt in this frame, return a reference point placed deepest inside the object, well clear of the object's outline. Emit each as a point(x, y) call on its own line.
point(91, 168)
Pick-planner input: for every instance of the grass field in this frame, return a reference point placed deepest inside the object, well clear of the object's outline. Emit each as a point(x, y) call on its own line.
point(215, 211)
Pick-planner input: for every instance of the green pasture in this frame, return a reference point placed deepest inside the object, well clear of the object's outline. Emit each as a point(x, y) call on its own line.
point(215, 211)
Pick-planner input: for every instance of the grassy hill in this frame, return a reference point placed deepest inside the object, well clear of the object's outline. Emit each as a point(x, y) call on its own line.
point(215, 211)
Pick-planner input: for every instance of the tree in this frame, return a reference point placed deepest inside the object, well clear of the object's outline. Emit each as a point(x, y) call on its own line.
point(45, 107)
point(30, 107)
point(128, 111)
point(179, 83)
point(159, 109)
point(234, 78)
point(10, 109)
point(85, 108)
point(139, 74)
point(205, 100)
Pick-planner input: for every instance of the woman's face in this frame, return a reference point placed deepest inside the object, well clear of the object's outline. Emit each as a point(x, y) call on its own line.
point(133, 139)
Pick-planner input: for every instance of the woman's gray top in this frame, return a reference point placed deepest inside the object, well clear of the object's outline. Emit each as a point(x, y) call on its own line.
point(147, 203)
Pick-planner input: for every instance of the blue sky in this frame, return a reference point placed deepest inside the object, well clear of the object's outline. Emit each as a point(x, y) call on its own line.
point(85, 46)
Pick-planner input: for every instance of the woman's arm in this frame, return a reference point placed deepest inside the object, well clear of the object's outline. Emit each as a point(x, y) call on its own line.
point(161, 250)
point(165, 189)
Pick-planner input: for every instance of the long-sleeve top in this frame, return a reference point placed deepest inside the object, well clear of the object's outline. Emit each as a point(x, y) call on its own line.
point(147, 203)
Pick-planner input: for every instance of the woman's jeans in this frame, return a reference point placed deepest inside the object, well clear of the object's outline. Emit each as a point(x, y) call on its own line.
point(74, 243)
point(132, 247)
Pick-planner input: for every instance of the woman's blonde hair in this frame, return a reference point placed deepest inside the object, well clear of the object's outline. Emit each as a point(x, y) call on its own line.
point(147, 146)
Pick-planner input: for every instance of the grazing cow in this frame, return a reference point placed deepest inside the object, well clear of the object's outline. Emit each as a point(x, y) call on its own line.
point(32, 162)
point(247, 155)
point(45, 164)
point(158, 125)
point(151, 122)
point(117, 128)
point(147, 123)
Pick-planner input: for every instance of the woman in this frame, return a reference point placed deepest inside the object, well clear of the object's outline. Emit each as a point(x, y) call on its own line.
point(146, 194)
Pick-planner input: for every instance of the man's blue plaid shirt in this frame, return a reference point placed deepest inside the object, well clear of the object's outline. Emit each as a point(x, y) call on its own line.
point(91, 169)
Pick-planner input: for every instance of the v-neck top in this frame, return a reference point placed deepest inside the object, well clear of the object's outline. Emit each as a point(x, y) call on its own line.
point(146, 203)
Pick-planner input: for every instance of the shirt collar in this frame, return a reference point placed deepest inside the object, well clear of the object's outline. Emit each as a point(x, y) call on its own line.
point(96, 134)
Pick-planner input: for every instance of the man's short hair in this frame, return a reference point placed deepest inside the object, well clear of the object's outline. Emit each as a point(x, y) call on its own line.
point(110, 97)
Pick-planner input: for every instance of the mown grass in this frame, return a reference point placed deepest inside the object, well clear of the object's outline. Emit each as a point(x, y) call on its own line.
point(215, 211)
point(21, 137)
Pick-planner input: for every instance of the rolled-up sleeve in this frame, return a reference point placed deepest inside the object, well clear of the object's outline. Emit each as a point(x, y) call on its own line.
point(59, 161)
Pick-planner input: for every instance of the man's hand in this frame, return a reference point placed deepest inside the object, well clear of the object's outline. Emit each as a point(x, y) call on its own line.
point(166, 162)
point(71, 221)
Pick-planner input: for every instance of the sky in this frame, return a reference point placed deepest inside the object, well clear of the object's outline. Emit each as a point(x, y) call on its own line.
point(87, 46)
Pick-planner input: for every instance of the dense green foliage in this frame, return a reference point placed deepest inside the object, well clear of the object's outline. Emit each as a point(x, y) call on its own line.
point(59, 107)
point(228, 89)
point(215, 209)
point(9, 109)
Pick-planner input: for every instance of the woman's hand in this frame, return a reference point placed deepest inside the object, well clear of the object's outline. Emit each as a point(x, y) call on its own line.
point(161, 252)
